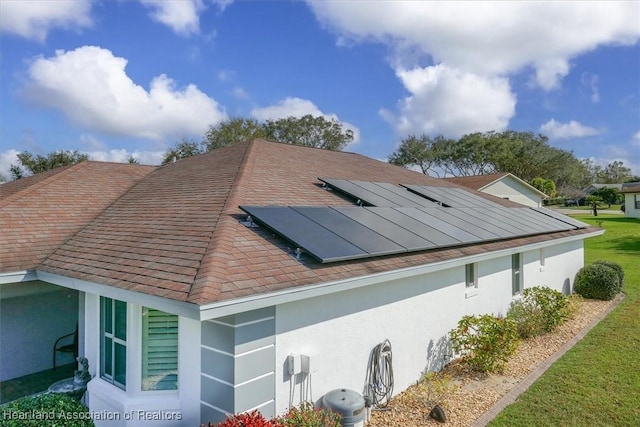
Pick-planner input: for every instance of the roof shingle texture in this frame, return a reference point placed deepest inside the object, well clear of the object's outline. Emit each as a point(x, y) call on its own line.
point(177, 233)
point(476, 182)
point(39, 213)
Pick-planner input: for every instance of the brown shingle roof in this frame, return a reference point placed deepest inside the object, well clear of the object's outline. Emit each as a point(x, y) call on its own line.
point(39, 213)
point(476, 182)
point(177, 232)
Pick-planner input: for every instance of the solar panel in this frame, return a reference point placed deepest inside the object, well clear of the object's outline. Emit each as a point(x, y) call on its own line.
point(402, 220)
point(391, 230)
point(322, 243)
point(561, 217)
point(352, 189)
point(352, 231)
point(440, 232)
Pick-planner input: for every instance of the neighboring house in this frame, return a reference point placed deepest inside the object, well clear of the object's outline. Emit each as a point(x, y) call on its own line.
point(503, 185)
point(189, 307)
point(631, 191)
point(595, 187)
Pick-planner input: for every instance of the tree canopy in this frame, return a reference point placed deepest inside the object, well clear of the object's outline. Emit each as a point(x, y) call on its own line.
point(309, 131)
point(32, 164)
point(523, 154)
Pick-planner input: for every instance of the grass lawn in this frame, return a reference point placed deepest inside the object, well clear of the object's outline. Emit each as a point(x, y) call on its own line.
point(596, 383)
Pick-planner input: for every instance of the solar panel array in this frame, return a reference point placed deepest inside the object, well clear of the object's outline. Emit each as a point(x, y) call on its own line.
point(402, 219)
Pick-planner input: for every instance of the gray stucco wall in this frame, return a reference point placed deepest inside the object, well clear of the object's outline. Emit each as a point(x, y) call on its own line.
point(238, 365)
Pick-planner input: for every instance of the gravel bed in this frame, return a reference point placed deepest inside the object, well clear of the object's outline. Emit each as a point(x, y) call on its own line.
point(472, 393)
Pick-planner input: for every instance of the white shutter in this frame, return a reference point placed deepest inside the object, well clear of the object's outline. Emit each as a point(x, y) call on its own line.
point(159, 350)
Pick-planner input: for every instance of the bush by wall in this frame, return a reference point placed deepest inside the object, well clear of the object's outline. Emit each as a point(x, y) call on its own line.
point(303, 416)
point(485, 342)
point(540, 310)
point(46, 410)
point(597, 281)
point(617, 267)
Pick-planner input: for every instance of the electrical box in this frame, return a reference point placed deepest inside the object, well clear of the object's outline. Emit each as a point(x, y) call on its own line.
point(305, 364)
point(291, 364)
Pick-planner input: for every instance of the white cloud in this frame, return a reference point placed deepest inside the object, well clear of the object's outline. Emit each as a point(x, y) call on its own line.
point(8, 158)
point(33, 19)
point(572, 129)
point(636, 136)
point(122, 156)
point(488, 40)
point(451, 102)
point(181, 16)
point(298, 107)
point(90, 87)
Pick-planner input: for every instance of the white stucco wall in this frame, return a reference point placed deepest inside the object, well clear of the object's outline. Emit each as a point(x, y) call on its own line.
point(514, 191)
point(32, 316)
point(630, 210)
point(338, 331)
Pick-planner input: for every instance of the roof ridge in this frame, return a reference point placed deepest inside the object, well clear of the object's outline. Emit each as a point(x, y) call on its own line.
point(64, 170)
point(208, 263)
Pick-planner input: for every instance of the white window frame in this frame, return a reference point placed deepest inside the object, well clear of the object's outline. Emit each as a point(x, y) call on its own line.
point(133, 368)
point(104, 334)
point(516, 274)
point(471, 279)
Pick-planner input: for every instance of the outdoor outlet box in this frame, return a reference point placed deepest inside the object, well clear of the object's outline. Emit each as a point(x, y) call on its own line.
point(291, 364)
point(305, 364)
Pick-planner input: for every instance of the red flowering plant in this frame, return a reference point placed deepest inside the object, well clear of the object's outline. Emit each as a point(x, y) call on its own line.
point(485, 342)
point(251, 419)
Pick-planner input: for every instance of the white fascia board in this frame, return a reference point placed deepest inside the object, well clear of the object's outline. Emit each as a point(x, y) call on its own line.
point(254, 302)
point(180, 308)
point(17, 276)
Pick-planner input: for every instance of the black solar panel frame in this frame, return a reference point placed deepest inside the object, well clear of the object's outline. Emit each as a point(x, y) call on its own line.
point(561, 217)
point(356, 192)
point(439, 196)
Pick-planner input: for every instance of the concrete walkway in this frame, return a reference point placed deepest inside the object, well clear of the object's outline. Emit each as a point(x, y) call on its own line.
point(523, 385)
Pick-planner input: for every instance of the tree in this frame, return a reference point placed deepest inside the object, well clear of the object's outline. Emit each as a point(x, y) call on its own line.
point(614, 173)
point(547, 186)
point(416, 151)
point(231, 131)
point(523, 154)
point(30, 164)
point(182, 149)
point(608, 195)
point(307, 130)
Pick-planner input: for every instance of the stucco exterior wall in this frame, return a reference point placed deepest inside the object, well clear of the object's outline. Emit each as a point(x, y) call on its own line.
point(32, 316)
point(514, 191)
point(338, 331)
point(630, 210)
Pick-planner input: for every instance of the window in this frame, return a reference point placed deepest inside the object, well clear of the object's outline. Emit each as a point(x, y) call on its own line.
point(636, 198)
point(113, 341)
point(159, 350)
point(470, 275)
point(516, 274)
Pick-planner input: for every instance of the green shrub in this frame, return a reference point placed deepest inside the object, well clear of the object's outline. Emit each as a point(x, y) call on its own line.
point(46, 410)
point(485, 342)
point(617, 267)
point(540, 310)
point(597, 281)
point(308, 416)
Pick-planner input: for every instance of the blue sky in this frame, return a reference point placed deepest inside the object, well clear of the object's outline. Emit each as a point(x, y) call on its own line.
point(116, 78)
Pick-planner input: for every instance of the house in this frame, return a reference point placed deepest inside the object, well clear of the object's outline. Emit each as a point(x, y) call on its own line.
point(503, 185)
point(591, 188)
point(238, 280)
point(631, 191)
